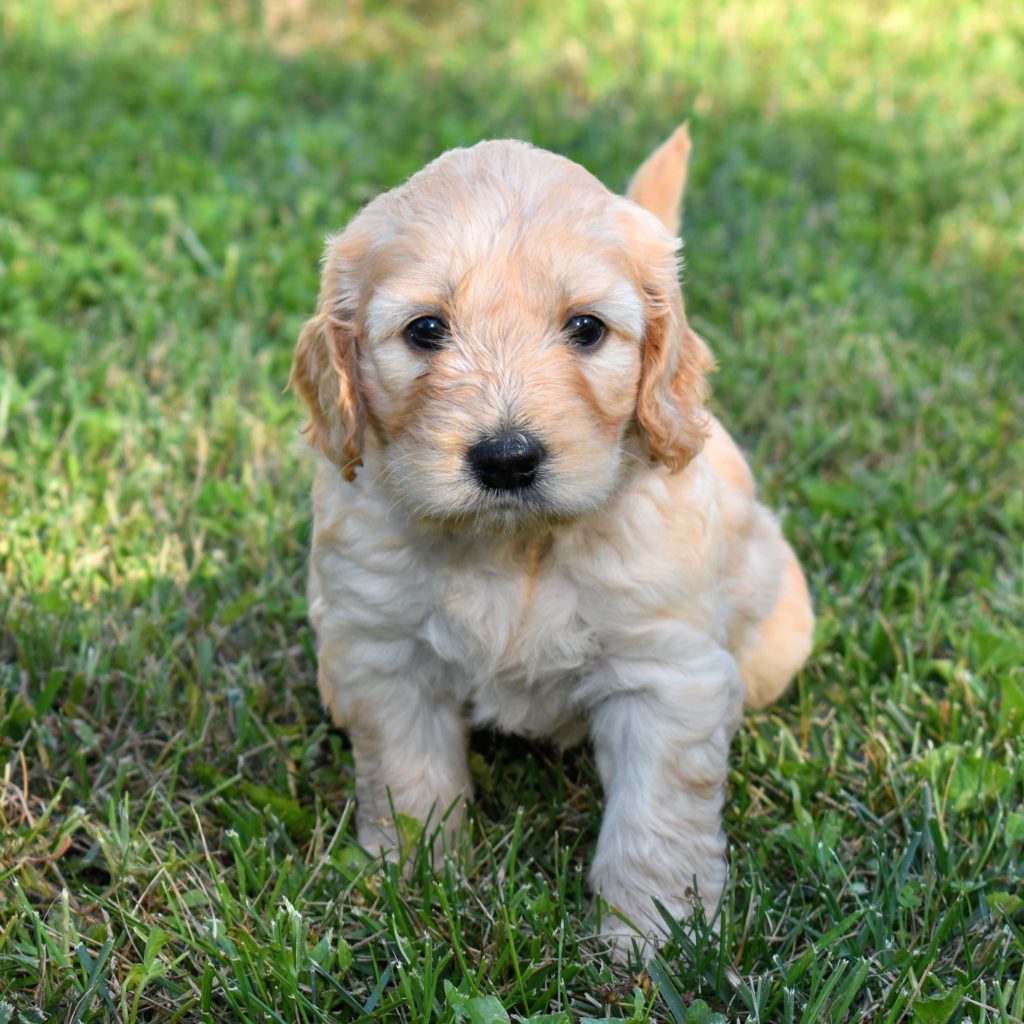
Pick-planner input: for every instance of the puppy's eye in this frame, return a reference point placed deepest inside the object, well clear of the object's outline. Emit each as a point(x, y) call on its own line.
point(585, 331)
point(427, 333)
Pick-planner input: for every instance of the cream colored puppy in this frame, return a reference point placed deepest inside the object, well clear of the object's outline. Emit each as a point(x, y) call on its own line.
point(548, 534)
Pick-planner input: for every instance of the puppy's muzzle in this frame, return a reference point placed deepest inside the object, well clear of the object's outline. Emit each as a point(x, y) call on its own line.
point(506, 462)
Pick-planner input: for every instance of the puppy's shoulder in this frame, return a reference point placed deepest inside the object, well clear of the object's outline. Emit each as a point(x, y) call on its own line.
point(356, 526)
point(727, 461)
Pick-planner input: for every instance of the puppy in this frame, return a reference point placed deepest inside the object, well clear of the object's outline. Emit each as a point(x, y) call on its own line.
point(524, 517)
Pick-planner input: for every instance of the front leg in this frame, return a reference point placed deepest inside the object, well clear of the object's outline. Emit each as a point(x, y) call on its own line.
point(408, 738)
point(661, 740)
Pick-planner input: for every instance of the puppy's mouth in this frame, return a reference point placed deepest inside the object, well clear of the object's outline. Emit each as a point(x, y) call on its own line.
point(523, 510)
point(480, 509)
point(528, 502)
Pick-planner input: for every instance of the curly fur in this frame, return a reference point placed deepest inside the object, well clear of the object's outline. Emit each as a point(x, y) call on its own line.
point(638, 594)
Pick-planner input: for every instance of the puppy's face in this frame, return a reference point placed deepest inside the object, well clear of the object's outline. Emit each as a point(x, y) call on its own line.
point(499, 331)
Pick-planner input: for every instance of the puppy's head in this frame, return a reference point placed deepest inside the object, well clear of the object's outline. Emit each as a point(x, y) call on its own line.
point(500, 331)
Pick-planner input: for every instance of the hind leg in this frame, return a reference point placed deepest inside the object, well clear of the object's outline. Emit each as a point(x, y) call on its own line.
point(775, 650)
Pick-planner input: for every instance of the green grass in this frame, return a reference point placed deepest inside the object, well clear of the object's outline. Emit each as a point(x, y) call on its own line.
point(176, 839)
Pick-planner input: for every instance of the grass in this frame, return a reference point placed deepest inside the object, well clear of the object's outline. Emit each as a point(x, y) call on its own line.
point(176, 839)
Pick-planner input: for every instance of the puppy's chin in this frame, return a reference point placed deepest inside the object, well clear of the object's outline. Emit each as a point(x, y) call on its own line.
point(530, 510)
point(505, 513)
point(466, 507)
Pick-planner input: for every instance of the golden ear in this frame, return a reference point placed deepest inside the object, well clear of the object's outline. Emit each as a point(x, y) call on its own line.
point(325, 372)
point(673, 385)
point(659, 183)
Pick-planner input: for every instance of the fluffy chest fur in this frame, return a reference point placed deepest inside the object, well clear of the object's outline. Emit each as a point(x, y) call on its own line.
point(514, 629)
point(515, 638)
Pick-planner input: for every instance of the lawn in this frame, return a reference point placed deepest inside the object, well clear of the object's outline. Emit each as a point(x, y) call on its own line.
point(176, 829)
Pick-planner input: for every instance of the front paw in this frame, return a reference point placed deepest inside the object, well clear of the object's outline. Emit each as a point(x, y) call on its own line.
point(627, 943)
point(634, 934)
point(631, 923)
point(397, 837)
point(635, 901)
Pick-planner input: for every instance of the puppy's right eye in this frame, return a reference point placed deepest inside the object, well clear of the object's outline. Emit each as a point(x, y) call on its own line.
point(427, 333)
point(585, 331)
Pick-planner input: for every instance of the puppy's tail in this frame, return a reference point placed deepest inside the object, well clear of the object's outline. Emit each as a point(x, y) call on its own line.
point(659, 183)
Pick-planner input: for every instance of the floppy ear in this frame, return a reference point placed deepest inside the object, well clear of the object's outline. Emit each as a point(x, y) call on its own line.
point(673, 386)
point(670, 401)
point(659, 183)
point(325, 369)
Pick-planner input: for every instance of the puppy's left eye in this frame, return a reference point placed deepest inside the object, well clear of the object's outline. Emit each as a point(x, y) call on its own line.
point(585, 331)
point(427, 333)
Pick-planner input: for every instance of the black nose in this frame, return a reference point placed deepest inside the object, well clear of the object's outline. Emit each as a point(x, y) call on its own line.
point(506, 462)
